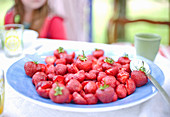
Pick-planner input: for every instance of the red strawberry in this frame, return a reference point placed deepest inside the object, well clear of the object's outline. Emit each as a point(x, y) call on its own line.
point(112, 71)
point(38, 76)
point(122, 76)
point(80, 76)
point(50, 77)
point(139, 77)
point(124, 60)
point(106, 66)
point(74, 86)
point(126, 67)
point(59, 93)
point(98, 53)
point(121, 91)
point(105, 94)
point(58, 78)
point(83, 63)
point(43, 88)
point(109, 80)
point(90, 98)
point(90, 76)
point(130, 86)
point(97, 67)
point(49, 69)
point(92, 58)
point(60, 69)
point(58, 52)
point(90, 87)
point(101, 75)
point(60, 61)
point(41, 67)
point(68, 77)
point(70, 58)
point(50, 59)
point(72, 68)
point(30, 68)
point(78, 99)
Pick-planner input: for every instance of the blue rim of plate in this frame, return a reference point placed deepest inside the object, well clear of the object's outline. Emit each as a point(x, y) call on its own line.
point(22, 84)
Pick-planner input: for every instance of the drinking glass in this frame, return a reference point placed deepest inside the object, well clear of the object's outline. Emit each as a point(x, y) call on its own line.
point(147, 45)
point(2, 91)
point(11, 37)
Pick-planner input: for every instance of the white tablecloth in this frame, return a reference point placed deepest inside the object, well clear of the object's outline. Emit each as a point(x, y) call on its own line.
point(17, 106)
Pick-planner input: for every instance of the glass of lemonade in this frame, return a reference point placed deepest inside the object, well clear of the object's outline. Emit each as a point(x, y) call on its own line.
point(11, 36)
point(2, 86)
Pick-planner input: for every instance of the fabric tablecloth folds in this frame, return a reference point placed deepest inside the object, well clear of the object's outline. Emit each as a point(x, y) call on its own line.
point(17, 106)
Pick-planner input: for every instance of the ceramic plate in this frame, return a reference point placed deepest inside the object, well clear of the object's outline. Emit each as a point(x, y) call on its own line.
point(21, 83)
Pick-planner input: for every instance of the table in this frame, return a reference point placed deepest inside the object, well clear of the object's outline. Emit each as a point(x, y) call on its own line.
point(17, 106)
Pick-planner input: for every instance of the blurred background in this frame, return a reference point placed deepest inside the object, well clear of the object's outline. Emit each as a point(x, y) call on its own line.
point(99, 26)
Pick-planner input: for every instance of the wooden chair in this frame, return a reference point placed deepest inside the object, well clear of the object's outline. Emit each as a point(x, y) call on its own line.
point(119, 20)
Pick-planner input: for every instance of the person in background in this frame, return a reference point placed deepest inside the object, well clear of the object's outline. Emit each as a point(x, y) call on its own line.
point(36, 15)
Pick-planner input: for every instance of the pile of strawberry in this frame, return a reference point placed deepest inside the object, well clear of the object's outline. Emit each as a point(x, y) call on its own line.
point(86, 79)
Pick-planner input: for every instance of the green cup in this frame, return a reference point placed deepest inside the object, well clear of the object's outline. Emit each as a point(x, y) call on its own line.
point(147, 45)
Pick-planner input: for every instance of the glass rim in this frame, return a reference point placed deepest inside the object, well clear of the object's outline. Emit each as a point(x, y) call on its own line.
point(151, 37)
point(10, 25)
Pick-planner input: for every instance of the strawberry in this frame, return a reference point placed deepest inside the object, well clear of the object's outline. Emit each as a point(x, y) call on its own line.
point(124, 60)
point(106, 66)
point(97, 67)
point(121, 91)
point(130, 86)
point(72, 68)
point(80, 76)
point(98, 53)
point(105, 93)
point(58, 78)
point(38, 76)
point(83, 63)
point(50, 76)
point(58, 52)
point(109, 80)
point(41, 67)
point(91, 99)
point(43, 88)
point(78, 99)
point(74, 86)
point(60, 61)
point(90, 87)
point(139, 78)
point(126, 67)
point(70, 58)
point(100, 76)
point(90, 76)
point(50, 60)
point(68, 77)
point(60, 69)
point(49, 69)
point(30, 68)
point(92, 58)
point(122, 76)
point(112, 71)
point(59, 93)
